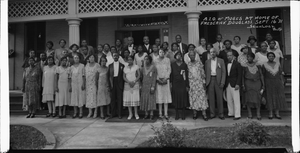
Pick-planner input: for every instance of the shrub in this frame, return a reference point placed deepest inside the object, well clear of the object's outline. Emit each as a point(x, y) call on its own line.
point(168, 135)
point(251, 132)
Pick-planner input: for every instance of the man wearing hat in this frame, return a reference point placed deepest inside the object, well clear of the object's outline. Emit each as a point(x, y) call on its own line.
point(251, 43)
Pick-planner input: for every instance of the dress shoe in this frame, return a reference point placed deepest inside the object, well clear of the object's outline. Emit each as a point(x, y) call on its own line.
point(137, 117)
point(205, 118)
point(270, 117)
point(32, 115)
point(28, 116)
point(48, 115)
point(166, 117)
point(59, 116)
point(160, 117)
point(278, 117)
point(212, 117)
point(146, 117)
point(54, 115)
point(230, 116)
point(129, 117)
point(195, 116)
point(237, 118)
point(151, 117)
point(222, 118)
point(74, 116)
point(259, 118)
point(80, 116)
point(249, 117)
point(102, 117)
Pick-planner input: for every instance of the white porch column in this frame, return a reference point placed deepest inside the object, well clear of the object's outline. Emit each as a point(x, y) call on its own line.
point(193, 26)
point(74, 33)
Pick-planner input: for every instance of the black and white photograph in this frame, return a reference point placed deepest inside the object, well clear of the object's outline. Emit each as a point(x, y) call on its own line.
point(136, 74)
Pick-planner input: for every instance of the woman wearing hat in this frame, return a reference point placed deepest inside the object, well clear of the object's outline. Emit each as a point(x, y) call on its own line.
point(251, 41)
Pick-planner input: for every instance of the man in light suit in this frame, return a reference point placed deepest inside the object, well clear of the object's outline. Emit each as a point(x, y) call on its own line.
point(215, 80)
point(183, 48)
point(116, 86)
point(219, 44)
point(232, 85)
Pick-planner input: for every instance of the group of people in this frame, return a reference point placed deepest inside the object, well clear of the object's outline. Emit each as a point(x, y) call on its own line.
point(144, 76)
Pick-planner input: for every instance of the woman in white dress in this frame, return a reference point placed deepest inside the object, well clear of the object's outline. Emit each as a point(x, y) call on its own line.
point(77, 86)
point(48, 83)
point(62, 97)
point(202, 48)
point(163, 91)
point(154, 54)
point(261, 57)
point(131, 96)
point(237, 45)
point(139, 57)
point(277, 52)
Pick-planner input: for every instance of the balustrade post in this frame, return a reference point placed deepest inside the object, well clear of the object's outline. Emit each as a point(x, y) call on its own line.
point(74, 31)
point(193, 27)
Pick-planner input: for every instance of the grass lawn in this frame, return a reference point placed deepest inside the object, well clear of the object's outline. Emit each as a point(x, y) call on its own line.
point(26, 137)
point(222, 137)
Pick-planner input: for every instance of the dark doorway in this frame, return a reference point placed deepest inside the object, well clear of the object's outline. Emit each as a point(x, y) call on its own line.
point(138, 35)
point(35, 37)
point(89, 31)
point(261, 32)
point(209, 32)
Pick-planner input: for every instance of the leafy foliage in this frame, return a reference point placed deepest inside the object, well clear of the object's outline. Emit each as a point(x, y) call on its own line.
point(169, 135)
point(251, 132)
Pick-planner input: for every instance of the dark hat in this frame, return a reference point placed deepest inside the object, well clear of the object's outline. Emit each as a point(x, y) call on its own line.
point(251, 38)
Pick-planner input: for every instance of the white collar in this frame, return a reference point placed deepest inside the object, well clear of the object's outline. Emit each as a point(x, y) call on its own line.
point(147, 45)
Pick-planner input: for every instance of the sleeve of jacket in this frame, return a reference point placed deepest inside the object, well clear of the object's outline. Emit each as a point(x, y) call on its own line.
point(239, 70)
point(187, 76)
point(223, 71)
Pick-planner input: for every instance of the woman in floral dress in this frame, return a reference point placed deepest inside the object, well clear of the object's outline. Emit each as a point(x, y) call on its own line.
point(91, 72)
point(31, 87)
point(272, 72)
point(197, 93)
point(62, 98)
point(77, 86)
point(148, 96)
point(131, 96)
point(163, 93)
point(103, 94)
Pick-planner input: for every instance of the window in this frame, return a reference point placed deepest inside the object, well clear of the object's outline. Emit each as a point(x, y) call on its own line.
point(145, 21)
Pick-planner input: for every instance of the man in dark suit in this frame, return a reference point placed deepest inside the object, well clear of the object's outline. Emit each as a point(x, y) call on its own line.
point(41, 63)
point(183, 48)
point(215, 80)
point(223, 53)
point(147, 47)
point(233, 83)
point(116, 85)
point(130, 47)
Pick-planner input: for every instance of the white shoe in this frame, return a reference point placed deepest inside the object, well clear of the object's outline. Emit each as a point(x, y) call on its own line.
point(129, 117)
point(137, 117)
